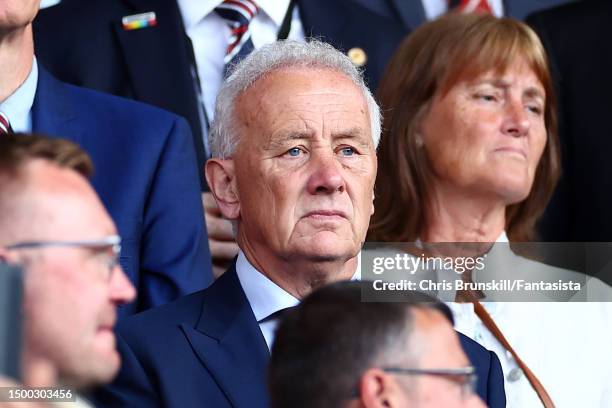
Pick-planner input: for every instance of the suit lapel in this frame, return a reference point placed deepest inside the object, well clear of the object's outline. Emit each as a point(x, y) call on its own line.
point(228, 341)
point(53, 112)
point(157, 59)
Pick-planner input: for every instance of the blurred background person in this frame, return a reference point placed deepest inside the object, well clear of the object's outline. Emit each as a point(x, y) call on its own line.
point(413, 13)
point(144, 162)
point(178, 56)
point(573, 36)
point(55, 226)
point(334, 350)
point(470, 153)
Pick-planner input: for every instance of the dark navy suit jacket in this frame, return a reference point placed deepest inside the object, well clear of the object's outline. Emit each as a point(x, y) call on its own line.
point(144, 172)
point(84, 43)
point(206, 350)
point(412, 14)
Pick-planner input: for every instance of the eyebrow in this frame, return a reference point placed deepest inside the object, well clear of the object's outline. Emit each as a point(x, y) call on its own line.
point(283, 137)
point(531, 92)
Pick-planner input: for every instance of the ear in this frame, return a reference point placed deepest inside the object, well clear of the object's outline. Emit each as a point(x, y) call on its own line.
point(221, 179)
point(378, 389)
point(5, 256)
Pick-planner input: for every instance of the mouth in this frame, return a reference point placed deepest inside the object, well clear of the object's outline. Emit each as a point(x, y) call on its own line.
point(326, 215)
point(513, 151)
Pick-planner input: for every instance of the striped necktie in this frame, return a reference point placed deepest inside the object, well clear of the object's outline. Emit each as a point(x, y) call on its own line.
point(470, 6)
point(237, 14)
point(5, 125)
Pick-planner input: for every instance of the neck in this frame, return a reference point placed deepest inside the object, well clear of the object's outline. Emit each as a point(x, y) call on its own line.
point(453, 216)
point(17, 55)
point(38, 372)
point(300, 276)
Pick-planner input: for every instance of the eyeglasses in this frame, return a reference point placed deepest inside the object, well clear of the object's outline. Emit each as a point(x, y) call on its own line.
point(112, 242)
point(465, 377)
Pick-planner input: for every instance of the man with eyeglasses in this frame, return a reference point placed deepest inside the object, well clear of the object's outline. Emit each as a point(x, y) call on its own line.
point(55, 226)
point(334, 350)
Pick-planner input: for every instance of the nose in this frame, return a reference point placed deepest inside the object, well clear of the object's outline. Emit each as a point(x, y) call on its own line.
point(326, 177)
point(516, 122)
point(121, 289)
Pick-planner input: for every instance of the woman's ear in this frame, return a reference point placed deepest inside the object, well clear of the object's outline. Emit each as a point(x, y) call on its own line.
point(221, 179)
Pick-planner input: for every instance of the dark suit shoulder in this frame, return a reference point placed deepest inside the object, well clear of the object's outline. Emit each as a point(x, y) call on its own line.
point(490, 386)
point(185, 310)
point(124, 109)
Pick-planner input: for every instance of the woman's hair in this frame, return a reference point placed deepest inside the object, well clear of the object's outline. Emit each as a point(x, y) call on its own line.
point(429, 62)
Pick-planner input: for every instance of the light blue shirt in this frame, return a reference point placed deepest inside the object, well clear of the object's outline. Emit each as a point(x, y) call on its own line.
point(18, 106)
point(265, 296)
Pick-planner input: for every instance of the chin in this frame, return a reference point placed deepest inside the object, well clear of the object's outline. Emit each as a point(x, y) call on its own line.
point(328, 247)
point(512, 189)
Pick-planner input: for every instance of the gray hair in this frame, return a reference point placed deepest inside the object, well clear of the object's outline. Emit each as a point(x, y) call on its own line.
point(223, 136)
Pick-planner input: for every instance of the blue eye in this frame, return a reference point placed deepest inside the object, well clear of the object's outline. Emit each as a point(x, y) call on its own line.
point(294, 152)
point(347, 151)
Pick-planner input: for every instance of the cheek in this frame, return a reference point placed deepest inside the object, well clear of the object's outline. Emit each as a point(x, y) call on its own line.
point(538, 144)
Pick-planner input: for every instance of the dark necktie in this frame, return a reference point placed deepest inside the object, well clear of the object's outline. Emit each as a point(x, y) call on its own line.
point(5, 125)
point(238, 15)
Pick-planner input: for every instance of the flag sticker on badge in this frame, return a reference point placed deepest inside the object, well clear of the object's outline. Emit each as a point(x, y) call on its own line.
point(138, 21)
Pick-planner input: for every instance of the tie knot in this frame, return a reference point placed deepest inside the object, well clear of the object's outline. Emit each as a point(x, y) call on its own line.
point(470, 6)
point(237, 13)
point(5, 125)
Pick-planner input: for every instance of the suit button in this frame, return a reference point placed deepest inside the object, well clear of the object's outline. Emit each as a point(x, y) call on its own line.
point(515, 374)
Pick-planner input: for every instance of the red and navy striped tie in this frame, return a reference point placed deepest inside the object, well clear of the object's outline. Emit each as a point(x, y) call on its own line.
point(470, 6)
point(5, 125)
point(237, 14)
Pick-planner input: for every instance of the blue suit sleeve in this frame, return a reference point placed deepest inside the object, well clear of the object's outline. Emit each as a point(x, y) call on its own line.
point(175, 258)
point(131, 387)
point(496, 392)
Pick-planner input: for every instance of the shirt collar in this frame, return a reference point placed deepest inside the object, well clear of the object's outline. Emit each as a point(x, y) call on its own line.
point(503, 237)
point(19, 104)
point(193, 11)
point(275, 9)
point(265, 296)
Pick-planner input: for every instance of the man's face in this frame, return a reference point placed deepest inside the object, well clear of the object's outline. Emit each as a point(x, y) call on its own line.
point(17, 13)
point(305, 166)
point(70, 297)
point(438, 347)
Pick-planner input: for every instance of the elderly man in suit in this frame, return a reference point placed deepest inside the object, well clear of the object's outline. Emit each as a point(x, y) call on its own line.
point(144, 159)
point(178, 63)
point(293, 168)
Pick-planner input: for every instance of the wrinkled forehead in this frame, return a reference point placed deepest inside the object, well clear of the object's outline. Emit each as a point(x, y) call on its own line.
point(299, 99)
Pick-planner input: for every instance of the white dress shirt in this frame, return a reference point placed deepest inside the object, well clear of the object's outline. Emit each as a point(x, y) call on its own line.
point(18, 106)
point(265, 296)
point(568, 345)
point(435, 8)
point(209, 34)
